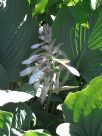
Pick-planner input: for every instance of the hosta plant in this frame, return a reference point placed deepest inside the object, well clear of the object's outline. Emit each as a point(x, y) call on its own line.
point(45, 65)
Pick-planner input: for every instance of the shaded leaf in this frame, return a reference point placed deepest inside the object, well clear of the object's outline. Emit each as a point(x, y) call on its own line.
point(28, 89)
point(88, 125)
point(17, 35)
point(22, 115)
point(79, 9)
point(76, 46)
point(50, 123)
point(4, 82)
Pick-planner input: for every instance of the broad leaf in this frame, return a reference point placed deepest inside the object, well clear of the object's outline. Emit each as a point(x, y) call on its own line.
point(18, 32)
point(84, 102)
point(84, 108)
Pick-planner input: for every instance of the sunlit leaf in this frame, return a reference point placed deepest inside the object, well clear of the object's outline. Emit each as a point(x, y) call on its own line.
point(71, 2)
point(83, 102)
point(95, 4)
point(13, 96)
point(39, 132)
point(63, 129)
point(40, 7)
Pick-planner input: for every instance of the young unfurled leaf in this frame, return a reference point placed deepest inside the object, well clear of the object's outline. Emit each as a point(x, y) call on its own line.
point(26, 71)
point(31, 59)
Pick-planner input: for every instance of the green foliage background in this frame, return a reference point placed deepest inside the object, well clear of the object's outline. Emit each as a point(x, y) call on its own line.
point(78, 26)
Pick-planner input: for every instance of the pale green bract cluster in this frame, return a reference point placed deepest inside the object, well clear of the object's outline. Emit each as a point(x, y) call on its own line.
point(44, 66)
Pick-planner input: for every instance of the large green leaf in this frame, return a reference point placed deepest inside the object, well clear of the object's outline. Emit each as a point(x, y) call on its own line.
point(18, 32)
point(75, 43)
point(22, 115)
point(5, 123)
point(4, 82)
point(84, 102)
point(83, 110)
